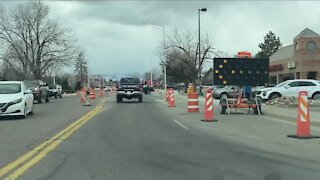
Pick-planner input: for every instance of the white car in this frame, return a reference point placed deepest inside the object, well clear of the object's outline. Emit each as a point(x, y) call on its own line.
point(15, 99)
point(291, 88)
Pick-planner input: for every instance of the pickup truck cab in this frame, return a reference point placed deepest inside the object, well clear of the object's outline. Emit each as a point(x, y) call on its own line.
point(129, 88)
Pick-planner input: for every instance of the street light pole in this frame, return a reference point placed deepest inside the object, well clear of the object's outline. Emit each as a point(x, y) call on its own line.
point(199, 42)
point(151, 84)
point(164, 57)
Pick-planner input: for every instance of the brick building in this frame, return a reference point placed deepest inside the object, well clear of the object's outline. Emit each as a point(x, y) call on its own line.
point(300, 60)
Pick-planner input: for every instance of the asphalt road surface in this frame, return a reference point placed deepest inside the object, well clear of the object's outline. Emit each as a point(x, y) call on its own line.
point(148, 140)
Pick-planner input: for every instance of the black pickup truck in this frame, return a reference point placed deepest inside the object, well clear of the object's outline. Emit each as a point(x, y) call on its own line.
point(129, 88)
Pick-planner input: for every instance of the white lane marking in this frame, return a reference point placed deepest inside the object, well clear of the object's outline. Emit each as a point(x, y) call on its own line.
point(181, 124)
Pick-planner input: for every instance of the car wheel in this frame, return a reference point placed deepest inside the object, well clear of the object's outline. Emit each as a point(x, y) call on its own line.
point(47, 99)
point(60, 95)
point(39, 100)
point(224, 96)
point(119, 99)
point(316, 95)
point(140, 99)
point(274, 96)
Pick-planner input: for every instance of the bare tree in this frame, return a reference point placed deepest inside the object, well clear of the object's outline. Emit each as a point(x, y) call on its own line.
point(33, 43)
point(185, 54)
point(81, 68)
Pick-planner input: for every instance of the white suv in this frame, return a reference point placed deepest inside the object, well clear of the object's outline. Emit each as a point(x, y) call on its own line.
point(291, 88)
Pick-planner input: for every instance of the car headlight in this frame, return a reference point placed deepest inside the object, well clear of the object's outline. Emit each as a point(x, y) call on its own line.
point(16, 101)
point(36, 89)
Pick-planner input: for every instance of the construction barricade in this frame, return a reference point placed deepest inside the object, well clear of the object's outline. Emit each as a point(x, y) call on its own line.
point(92, 94)
point(101, 93)
point(208, 107)
point(171, 98)
point(193, 102)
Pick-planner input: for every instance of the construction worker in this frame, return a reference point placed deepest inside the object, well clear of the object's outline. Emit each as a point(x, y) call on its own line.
point(248, 92)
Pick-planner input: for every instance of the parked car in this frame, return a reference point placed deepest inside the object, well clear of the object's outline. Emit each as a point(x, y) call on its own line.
point(40, 90)
point(107, 88)
point(225, 92)
point(147, 89)
point(15, 99)
point(291, 88)
point(55, 91)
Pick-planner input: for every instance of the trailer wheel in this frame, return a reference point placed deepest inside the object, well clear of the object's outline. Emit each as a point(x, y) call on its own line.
point(256, 110)
point(222, 108)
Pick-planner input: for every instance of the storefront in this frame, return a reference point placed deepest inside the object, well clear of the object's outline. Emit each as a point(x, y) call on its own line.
point(301, 60)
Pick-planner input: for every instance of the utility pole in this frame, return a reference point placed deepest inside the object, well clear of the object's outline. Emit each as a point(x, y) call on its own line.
point(199, 40)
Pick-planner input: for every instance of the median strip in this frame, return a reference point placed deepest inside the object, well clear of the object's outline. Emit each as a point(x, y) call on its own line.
point(32, 157)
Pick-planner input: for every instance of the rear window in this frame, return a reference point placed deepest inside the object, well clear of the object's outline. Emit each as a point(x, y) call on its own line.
point(130, 80)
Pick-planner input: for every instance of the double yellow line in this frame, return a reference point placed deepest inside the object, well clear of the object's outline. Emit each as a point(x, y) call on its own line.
point(25, 162)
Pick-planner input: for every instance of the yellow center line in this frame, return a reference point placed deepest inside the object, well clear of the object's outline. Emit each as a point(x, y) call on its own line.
point(48, 145)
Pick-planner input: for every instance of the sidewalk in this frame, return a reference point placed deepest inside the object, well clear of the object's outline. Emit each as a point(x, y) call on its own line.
point(283, 113)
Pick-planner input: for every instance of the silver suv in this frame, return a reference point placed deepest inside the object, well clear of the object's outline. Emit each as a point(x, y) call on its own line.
point(226, 92)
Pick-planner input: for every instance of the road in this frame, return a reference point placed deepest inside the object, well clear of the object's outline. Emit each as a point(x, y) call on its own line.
point(151, 141)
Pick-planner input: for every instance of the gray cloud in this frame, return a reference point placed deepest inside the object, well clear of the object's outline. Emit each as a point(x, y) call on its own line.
point(116, 41)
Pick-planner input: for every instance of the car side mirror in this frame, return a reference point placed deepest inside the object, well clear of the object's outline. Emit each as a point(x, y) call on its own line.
point(28, 91)
point(287, 86)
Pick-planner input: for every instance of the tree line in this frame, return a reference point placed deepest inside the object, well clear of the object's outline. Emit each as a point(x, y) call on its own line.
point(33, 46)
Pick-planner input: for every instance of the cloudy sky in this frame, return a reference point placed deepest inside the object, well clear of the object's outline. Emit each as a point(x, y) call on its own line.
point(116, 41)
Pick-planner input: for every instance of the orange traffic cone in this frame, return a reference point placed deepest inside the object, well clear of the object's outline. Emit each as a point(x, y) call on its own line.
point(83, 94)
point(208, 107)
point(92, 94)
point(303, 120)
point(171, 98)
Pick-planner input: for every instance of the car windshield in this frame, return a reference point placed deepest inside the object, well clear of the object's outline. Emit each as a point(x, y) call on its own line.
point(281, 84)
point(129, 81)
point(32, 83)
point(10, 88)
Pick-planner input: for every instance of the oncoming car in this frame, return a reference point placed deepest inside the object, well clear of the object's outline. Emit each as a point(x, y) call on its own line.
point(15, 99)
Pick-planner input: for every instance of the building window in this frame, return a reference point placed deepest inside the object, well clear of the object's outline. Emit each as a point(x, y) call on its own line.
point(296, 46)
point(311, 45)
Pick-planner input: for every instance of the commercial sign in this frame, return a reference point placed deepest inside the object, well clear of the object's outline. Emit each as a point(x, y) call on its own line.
point(276, 67)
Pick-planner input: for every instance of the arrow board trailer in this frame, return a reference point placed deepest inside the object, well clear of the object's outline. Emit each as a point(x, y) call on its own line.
point(240, 72)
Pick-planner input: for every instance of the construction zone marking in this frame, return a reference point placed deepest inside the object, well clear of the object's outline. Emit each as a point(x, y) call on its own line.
point(31, 158)
point(181, 124)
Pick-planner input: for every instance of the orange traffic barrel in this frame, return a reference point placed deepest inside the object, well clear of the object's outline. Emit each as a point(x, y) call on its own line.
point(193, 102)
